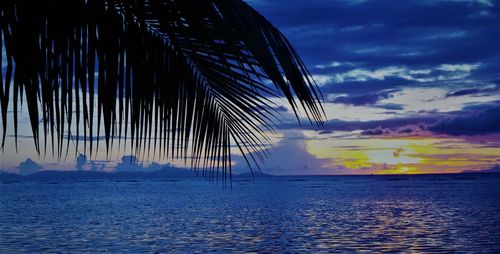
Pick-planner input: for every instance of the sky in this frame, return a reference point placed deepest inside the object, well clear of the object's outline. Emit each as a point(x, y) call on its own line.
point(409, 86)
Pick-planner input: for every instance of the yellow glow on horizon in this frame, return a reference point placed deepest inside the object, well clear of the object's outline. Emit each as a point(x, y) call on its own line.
point(404, 155)
point(399, 169)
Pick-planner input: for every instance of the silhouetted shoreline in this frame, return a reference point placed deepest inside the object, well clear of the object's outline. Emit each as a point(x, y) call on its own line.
point(176, 173)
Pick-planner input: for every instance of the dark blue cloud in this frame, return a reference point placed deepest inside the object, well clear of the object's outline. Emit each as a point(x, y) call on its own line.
point(473, 91)
point(391, 106)
point(373, 132)
point(477, 119)
point(374, 34)
point(463, 92)
point(408, 130)
point(392, 124)
point(486, 121)
point(358, 88)
point(362, 100)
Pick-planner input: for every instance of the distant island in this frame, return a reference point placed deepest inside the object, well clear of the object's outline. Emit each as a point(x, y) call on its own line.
point(494, 169)
point(164, 173)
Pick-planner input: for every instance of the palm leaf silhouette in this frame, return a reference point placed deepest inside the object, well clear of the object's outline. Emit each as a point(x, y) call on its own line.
point(184, 78)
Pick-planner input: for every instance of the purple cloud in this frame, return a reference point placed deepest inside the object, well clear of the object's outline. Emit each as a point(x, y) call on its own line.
point(373, 132)
point(398, 131)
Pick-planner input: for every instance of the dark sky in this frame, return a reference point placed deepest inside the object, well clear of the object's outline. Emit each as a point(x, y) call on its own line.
point(410, 87)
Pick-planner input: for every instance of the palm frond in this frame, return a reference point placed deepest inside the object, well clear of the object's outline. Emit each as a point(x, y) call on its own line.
point(185, 78)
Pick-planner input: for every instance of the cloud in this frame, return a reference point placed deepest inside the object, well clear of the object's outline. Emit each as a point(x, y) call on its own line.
point(329, 65)
point(390, 106)
point(81, 160)
point(357, 28)
point(366, 99)
point(459, 67)
point(378, 74)
point(409, 42)
point(436, 54)
point(435, 100)
point(401, 131)
point(482, 122)
point(480, 14)
point(442, 72)
point(397, 152)
point(474, 119)
point(130, 163)
point(463, 92)
point(94, 166)
point(290, 157)
point(28, 167)
point(322, 80)
point(336, 125)
point(487, 3)
point(473, 91)
point(374, 132)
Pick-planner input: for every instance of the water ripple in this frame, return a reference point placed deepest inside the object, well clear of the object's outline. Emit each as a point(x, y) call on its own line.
point(288, 214)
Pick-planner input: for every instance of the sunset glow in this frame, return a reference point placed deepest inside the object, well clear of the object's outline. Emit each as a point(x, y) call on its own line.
point(405, 155)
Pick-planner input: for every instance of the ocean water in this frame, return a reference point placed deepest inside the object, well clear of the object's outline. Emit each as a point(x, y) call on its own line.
point(439, 213)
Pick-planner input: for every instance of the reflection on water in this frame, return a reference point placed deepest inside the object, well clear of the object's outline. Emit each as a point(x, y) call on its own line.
point(306, 214)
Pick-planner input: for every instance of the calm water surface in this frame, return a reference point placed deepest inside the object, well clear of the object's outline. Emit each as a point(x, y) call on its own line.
point(442, 213)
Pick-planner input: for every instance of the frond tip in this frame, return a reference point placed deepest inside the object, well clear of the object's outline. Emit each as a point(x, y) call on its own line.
point(185, 78)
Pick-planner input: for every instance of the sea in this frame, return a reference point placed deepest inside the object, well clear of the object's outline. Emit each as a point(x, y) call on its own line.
point(300, 214)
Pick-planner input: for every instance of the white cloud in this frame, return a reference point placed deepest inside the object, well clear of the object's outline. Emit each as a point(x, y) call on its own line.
point(487, 3)
point(418, 72)
point(329, 65)
point(380, 74)
point(459, 67)
point(352, 28)
point(339, 111)
point(412, 101)
point(415, 100)
point(480, 14)
point(361, 27)
point(436, 33)
point(448, 72)
point(290, 157)
point(322, 80)
point(356, 113)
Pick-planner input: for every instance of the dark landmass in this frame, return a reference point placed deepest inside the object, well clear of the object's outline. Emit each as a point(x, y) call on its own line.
point(165, 173)
point(250, 175)
point(50, 175)
point(179, 173)
point(494, 169)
